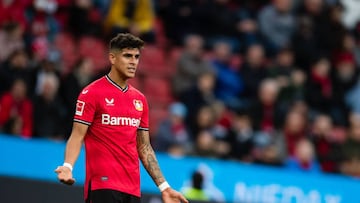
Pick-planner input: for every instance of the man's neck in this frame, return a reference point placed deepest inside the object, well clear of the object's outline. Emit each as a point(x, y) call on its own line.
point(117, 79)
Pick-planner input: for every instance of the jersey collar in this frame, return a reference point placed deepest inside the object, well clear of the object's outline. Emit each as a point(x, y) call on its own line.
point(116, 85)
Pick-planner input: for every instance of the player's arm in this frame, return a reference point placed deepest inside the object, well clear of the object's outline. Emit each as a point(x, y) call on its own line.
point(72, 152)
point(150, 163)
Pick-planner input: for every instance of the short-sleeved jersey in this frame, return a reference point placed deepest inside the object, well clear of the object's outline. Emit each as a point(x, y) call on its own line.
point(114, 115)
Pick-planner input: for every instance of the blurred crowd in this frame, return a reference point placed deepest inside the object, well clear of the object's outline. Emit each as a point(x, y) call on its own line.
point(256, 81)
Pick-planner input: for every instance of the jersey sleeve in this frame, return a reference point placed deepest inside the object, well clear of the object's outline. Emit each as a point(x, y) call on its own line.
point(85, 107)
point(144, 123)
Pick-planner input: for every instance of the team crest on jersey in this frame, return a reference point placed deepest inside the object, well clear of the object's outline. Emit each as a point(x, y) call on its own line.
point(138, 105)
point(79, 108)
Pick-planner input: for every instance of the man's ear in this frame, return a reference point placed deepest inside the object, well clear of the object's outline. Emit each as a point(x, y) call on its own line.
point(112, 58)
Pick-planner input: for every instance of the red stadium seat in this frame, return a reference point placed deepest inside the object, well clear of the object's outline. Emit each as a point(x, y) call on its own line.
point(157, 115)
point(153, 62)
point(95, 49)
point(67, 47)
point(158, 91)
point(161, 39)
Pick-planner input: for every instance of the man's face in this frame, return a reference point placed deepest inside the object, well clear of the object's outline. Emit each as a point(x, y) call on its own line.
point(125, 61)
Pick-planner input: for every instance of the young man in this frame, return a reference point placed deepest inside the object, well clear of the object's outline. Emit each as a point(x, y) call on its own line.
point(112, 119)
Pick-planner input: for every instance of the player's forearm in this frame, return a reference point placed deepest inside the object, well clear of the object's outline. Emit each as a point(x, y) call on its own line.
point(72, 150)
point(150, 163)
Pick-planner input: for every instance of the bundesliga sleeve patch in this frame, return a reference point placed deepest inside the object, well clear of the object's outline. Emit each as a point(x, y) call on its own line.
point(79, 108)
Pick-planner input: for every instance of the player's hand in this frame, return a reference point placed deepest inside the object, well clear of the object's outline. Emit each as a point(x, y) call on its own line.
point(64, 175)
point(172, 196)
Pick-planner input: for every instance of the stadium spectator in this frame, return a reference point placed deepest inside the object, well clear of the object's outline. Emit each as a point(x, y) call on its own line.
point(223, 117)
point(190, 65)
point(350, 164)
point(294, 130)
point(14, 11)
point(344, 77)
point(205, 145)
point(195, 191)
point(277, 24)
point(172, 132)
point(210, 132)
point(335, 29)
point(180, 19)
point(213, 119)
point(282, 67)
point(295, 90)
point(265, 112)
point(269, 149)
point(241, 136)
point(49, 110)
point(16, 110)
point(16, 66)
point(136, 17)
point(205, 120)
point(201, 94)
point(247, 27)
point(328, 150)
point(218, 22)
point(304, 43)
point(72, 84)
point(319, 90)
point(84, 19)
point(304, 158)
point(45, 68)
point(253, 71)
point(350, 15)
point(317, 12)
point(229, 84)
point(43, 25)
point(11, 39)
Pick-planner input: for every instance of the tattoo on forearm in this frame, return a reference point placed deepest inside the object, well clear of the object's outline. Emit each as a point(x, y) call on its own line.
point(148, 158)
point(154, 168)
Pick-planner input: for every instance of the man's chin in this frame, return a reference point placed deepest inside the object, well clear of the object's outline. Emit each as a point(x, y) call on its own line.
point(129, 76)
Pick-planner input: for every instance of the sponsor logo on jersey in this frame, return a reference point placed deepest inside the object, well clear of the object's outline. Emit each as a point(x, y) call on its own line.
point(138, 105)
point(109, 102)
point(79, 108)
point(106, 119)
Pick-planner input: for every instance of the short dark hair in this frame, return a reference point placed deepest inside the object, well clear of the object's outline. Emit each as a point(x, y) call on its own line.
point(125, 40)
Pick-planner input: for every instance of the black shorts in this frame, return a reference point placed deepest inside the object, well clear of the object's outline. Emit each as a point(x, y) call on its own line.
point(110, 196)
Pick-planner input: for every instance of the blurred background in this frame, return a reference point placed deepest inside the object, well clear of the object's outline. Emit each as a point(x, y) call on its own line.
point(251, 101)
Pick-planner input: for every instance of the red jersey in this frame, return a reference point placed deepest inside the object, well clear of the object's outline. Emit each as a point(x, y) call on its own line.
point(114, 115)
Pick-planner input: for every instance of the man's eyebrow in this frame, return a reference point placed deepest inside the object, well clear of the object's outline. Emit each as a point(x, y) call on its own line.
point(130, 55)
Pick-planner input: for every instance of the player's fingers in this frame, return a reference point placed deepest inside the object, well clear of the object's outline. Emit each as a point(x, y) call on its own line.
point(68, 182)
point(57, 170)
point(183, 199)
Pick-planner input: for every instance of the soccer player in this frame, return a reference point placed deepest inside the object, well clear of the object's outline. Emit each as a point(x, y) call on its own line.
point(111, 118)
